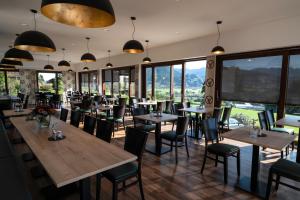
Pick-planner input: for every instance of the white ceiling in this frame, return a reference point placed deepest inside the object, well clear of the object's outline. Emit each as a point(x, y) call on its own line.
point(161, 21)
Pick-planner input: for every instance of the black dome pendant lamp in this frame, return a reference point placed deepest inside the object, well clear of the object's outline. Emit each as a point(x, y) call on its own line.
point(5, 62)
point(218, 49)
point(133, 46)
point(88, 57)
point(109, 63)
point(17, 54)
point(63, 62)
point(80, 13)
point(48, 66)
point(147, 59)
point(6, 67)
point(34, 40)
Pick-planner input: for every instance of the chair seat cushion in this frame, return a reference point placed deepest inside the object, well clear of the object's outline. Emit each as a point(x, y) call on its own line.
point(114, 119)
point(287, 169)
point(222, 149)
point(122, 172)
point(146, 127)
point(171, 135)
point(285, 130)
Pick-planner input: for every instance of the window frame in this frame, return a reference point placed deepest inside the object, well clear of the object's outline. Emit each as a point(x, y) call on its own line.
point(89, 79)
point(5, 78)
point(44, 71)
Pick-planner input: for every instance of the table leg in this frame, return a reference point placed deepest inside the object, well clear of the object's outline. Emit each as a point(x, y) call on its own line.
point(85, 189)
point(254, 167)
point(197, 126)
point(298, 149)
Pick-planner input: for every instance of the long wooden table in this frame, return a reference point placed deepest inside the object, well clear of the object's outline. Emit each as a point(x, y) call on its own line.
point(293, 121)
point(273, 140)
point(14, 113)
point(157, 149)
point(76, 158)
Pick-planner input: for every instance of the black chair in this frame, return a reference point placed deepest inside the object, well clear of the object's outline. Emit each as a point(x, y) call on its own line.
point(160, 106)
point(218, 149)
point(168, 107)
point(122, 101)
point(217, 114)
point(118, 117)
point(178, 136)
point(75, 118)
point(89, 124)
point(104, 130)
point(271, 122)
point(135, 141)
point(25, 106)
point(224, 123)
point(283, 168)
point(141, 124)
point(63, 114)
point(55, 101)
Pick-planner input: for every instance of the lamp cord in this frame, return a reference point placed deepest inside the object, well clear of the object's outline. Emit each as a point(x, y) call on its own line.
point(34, 19)
point(48, 59)
point(109, 56)
point(147, 50)
point(87, 45)
point(219, 34)
point(133, 29)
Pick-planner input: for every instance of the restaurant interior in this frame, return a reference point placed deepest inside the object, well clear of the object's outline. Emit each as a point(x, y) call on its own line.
point(170, 100)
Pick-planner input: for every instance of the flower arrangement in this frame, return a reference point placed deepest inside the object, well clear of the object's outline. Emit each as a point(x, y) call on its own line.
point(43, 115)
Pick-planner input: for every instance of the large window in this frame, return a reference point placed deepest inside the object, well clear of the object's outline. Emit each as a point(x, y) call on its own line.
point(162, 83)
point(148, 82)
point(2, 83)
point(9, 82)
point(177, 81)
point(194, 81)
point(119, 82)
point(50, 82)
point(88, 82)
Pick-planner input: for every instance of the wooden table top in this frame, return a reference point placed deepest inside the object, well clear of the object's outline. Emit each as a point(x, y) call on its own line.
point(153, 118)
point(79, 156)
point(109, 107)
point(196, 110)
point(273, 140)
point(289, 121)
point(13, 113)
point(147, 103)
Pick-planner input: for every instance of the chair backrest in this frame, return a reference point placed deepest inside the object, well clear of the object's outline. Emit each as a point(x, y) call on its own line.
point(136, 112)
point(177, 106)
point(168, 108)
point(56, 97)
point(270, 118)
point(97, 99)
point(25, 106)
point(263, 120)
point(104, 130)
point(182, 125)
point(118, 112)
point(226, 114)
point(217, 113)
point(75, 118)
point(89, 124)
point(21, 96)
point(159, 106)
point(135, 141)
point(210, 130)
point(122, 101)
point(86, 103)
point(64, 114)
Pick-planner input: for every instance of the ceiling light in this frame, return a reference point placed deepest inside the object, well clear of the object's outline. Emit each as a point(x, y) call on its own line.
point(80, 13)
point(10, 62)
point(85, 68)
point(63, 62)
point(109, 64)
point(6, 67)
point(133, 46)
point(48, 66)
point(88, 57)
point(70, 70)
point(218, 49)
point(34, 40)
point(18, 55)
point(147, 59)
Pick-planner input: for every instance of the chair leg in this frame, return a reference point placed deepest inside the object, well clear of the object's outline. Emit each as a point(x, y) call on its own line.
point(124, 185)
point(186, 146)
point(173, 126)
point(216, 161)
point(141, 186)
point(281, 154)
point(225, 169)
point(238, 163)
point(268, 191)
point(204, 161)
point(113, 129)
point(171, 145)
point(277, 182)
point(115, 191)
point(176, 151)
point(98, 186)
point(117, 126)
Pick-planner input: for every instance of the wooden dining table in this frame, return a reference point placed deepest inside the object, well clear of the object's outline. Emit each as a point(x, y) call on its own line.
point(293, 121)
point(14, 113)
point(76, 158)
point(157, 148)
point(273, 140)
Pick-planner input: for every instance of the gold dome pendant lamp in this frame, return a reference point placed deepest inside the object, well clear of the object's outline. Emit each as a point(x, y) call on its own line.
point(218, 49)
point(147, 59)
point(88, 57)
point(133, 46)
point(63, 62)
point(34, 40)
point(109, 63)
point(80, 13)
point(17, 54)
point(48, 66)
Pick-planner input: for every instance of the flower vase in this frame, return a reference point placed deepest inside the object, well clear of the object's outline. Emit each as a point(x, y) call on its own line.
point(44, 121)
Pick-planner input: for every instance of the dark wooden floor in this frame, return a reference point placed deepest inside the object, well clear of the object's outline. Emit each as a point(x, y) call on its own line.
point(164, 180)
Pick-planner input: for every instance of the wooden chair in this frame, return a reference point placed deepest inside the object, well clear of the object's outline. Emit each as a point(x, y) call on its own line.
point(135, 141)
point(218, 149)
point(89, 124)
point(104, 130)
point(63, 114)
point(178, 136)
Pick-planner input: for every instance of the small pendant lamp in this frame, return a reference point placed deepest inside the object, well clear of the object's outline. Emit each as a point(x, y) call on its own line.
point(218, 49)
point(63, 62)
point(10, 62)
point(80, 13)
point(88, 57)
point(109, 64)
point(133, 46)
point(34, 40)
point(147, 59)
point(17, 54)
point(48, 66)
